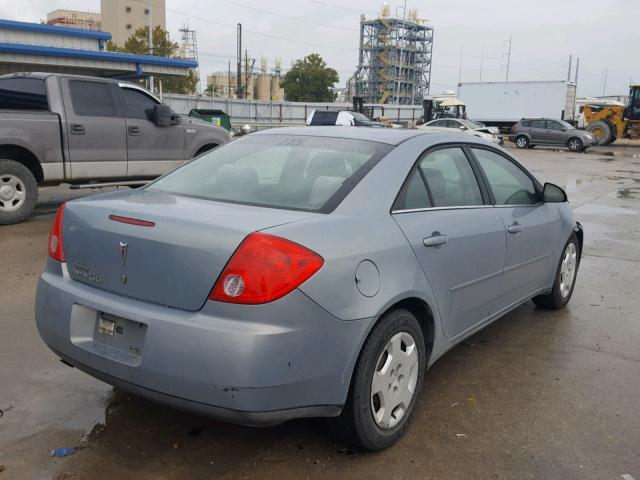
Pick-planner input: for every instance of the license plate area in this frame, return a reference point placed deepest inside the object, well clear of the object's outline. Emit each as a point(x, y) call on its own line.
point(121, 333)
point(108, 336)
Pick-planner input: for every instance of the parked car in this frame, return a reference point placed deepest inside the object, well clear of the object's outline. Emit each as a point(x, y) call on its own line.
point(490, 134)
point(304, 272)
point(67, 128)
point(529, 132)
point(342, 118)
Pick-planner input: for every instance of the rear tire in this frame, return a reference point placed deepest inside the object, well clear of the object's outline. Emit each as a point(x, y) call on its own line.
point(394, 353)
point(565, 280)
point(602, 131)
point(575, 144)
point(522, 141)
point(18, 192)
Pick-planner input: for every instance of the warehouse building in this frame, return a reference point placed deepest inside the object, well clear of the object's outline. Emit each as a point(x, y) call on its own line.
point(28, 47)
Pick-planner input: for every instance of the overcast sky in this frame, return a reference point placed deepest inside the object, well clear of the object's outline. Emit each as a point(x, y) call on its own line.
point(603, 33)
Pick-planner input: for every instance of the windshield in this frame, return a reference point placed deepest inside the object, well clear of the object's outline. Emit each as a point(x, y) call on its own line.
point(469, 124)
point(359, 117)
point(280, 171)
point(566, 125)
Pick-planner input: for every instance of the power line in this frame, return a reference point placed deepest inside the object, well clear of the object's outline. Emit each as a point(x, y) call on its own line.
point(286, 17)
point(255, 32)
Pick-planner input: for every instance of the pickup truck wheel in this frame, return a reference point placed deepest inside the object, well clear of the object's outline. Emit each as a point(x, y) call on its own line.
point(18, 192)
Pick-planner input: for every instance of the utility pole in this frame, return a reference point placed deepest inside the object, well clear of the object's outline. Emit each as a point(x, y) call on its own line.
point(229, 81)
point(507, 43)
point(577, 68)
point(239, 66)
point(569, 72)
point(481, 61)
point(246, 74)
point(604, 85)
point(150, 40)
point(460, 69)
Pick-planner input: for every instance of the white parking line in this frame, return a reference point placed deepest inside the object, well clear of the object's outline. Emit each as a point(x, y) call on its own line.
point(626, 476)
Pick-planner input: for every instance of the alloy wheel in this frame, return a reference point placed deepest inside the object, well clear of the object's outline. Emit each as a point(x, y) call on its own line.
point(568, 269)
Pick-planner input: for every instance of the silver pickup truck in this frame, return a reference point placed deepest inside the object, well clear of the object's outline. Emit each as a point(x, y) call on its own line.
point(58, 128)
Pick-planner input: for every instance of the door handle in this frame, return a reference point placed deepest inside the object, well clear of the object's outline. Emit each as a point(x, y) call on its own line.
point(133, 130)
point(435, 240)
point(77, 129)
point(514, 228)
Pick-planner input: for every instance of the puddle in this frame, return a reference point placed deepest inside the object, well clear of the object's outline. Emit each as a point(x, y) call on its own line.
point(629, 193)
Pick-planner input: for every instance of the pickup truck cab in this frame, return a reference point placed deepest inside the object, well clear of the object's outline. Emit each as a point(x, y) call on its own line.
point(57, 128)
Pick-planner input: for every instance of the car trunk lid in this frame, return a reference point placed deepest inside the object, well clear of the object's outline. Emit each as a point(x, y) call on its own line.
point(173, 257)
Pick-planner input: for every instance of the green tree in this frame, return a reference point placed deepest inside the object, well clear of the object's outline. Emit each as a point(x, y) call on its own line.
point(162, 47)
point(310, 80)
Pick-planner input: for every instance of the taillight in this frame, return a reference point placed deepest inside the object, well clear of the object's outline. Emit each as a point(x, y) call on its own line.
point(56, 250)
point(513, 129)
point(263, 269)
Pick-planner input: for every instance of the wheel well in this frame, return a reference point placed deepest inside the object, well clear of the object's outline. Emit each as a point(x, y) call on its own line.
point(580, 235)
point(23, 156)
point(423, 314)
point(205, 148)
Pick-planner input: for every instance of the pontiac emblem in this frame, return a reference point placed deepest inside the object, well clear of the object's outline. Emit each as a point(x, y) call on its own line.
point(123, 252)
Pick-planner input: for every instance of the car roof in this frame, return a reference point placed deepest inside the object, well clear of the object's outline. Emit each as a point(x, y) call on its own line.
point(390, 136)
point(44, 75)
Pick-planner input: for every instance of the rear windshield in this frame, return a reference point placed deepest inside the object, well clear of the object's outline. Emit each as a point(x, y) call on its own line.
point(279, 171)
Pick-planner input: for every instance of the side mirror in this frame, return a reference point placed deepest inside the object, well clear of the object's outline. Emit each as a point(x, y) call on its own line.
point(553, 194)
point(163, 116)
point(462, 127)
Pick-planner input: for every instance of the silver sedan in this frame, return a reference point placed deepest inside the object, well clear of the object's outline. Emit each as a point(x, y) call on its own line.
point(312, 272)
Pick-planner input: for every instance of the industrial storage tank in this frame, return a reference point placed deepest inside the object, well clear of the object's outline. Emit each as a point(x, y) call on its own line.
point(263, 87)
point(277, 92)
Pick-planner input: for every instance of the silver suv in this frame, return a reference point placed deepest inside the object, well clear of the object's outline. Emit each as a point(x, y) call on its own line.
point(529, 132)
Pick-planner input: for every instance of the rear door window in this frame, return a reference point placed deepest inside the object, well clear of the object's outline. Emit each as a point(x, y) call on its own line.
point(450, 178)
point(23, 94)
point(538, 124)
point(413, 194)
point(280, 171)
point(92, 99)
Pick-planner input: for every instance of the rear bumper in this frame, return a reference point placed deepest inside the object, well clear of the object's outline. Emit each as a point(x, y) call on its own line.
point(254, 365)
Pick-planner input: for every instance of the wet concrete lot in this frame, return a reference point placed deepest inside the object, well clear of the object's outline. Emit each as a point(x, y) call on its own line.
point(537, 394)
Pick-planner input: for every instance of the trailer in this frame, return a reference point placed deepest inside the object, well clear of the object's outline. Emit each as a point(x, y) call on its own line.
point(502, 104)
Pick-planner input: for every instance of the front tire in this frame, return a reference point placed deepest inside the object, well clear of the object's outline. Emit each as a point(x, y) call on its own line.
point(522, 141)
point(603, 131)
point(386, 383)
point(565, 279)
point(18, 192)
point(575, 144)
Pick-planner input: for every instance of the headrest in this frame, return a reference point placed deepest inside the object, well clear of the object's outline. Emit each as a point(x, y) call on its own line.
point(323, 188)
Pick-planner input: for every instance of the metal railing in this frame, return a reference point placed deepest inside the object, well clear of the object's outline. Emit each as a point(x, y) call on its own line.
point(265, 114)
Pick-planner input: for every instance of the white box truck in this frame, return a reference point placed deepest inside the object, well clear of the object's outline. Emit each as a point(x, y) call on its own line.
point(502, 104)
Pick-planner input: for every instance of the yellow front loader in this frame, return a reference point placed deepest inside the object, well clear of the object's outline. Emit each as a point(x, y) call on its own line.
point(611, 122)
